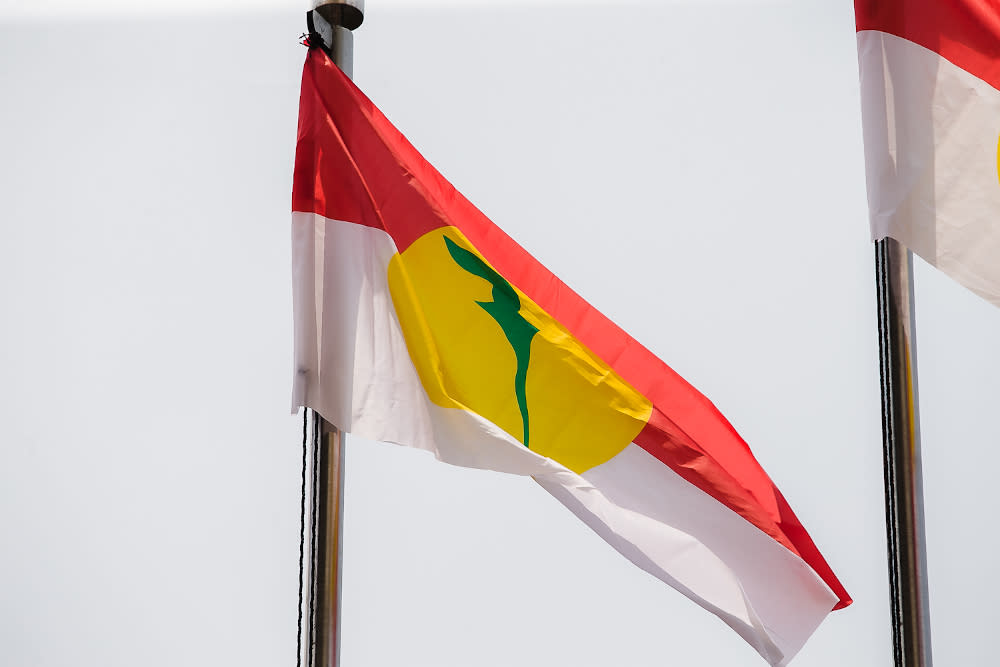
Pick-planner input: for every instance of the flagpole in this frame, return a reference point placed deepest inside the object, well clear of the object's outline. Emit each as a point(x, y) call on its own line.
point(904, 500)
point(332, 21)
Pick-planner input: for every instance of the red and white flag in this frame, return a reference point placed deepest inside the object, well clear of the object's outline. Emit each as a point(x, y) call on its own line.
point(420, 322)
point(930, 74)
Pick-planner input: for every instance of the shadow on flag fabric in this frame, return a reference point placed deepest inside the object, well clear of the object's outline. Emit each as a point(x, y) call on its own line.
point(419, 322)
point(930, 74)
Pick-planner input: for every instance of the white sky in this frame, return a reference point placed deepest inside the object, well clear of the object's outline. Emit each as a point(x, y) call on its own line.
point(694, 170)
point(118, 8)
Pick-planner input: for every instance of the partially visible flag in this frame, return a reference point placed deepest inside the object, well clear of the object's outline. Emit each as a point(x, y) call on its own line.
point(419, 322)
point(930, 73)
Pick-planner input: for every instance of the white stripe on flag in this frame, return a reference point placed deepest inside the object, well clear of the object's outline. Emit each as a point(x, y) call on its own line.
point(931, 133)
point(352, 366)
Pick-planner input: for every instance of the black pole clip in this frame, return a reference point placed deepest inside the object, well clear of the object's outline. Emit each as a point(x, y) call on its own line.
point(312, 39)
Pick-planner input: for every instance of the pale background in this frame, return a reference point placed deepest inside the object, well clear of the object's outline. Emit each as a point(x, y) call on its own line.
point(694, 169)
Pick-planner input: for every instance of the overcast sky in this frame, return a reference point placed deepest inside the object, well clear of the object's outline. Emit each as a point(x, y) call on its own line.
point(694, 169)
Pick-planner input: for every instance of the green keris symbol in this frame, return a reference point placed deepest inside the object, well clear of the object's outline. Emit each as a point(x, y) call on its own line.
point(505, 308)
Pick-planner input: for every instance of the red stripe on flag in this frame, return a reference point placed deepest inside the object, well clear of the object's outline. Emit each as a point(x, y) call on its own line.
point(356, 167)
point(964, 32)
point(374, 177)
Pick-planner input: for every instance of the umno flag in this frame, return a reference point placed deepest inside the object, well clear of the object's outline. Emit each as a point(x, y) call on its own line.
point(419, 322)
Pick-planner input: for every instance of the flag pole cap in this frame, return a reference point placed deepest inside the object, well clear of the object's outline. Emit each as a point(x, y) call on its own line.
point(345, 13)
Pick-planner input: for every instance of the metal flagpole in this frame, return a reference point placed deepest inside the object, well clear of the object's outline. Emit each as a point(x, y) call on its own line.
point(904, 499)
point(332, 21)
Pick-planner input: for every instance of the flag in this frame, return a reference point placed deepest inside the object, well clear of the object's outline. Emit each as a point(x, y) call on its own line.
point(930, 73)
point(419, 322)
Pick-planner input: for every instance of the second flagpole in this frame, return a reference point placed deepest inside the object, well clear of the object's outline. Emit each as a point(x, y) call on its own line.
point(904, 500)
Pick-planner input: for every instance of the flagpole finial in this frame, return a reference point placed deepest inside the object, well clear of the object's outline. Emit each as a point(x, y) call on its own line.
point(345, 13)
point(331, 24)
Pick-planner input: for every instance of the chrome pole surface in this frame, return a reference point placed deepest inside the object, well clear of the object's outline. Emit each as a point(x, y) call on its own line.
point(328, 567)
point(904, 498)
point(333, 22)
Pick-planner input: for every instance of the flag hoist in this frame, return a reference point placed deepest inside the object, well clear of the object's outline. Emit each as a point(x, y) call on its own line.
point(330, 24)
point(420, 322)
